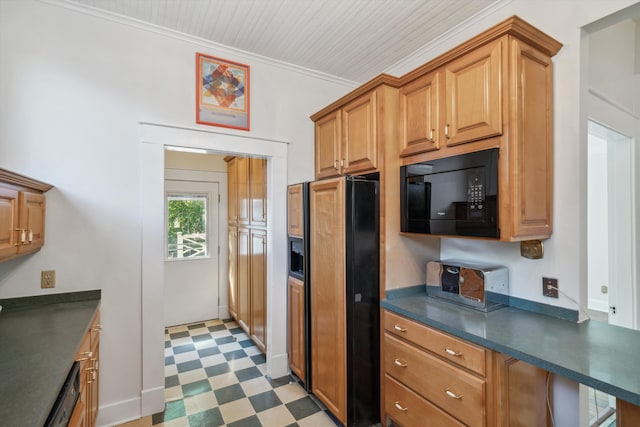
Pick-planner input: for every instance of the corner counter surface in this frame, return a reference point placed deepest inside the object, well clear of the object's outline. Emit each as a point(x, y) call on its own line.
point(593, 353)
point(39, 339)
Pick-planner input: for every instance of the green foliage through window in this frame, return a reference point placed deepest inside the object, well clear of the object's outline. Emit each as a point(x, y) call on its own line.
point(186, 226)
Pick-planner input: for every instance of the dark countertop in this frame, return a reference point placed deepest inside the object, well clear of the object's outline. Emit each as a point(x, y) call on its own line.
point(39, 338)
point(593, 353)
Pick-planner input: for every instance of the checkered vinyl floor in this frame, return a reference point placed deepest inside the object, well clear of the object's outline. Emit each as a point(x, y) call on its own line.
point(216, 376)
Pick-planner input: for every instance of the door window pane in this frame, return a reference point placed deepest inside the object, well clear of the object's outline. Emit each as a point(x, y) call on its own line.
point(187, 226)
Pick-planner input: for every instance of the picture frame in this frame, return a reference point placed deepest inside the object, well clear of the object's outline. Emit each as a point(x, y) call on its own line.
point(222, 92)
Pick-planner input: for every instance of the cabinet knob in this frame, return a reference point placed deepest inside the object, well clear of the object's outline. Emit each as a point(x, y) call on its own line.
point(86, 355)
point(446, 131)
point(399, 328)
point(399, 407)
point(335, 164)
point(431, 135)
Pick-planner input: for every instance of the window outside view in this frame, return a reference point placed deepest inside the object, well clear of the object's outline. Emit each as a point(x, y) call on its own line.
point(187, 226)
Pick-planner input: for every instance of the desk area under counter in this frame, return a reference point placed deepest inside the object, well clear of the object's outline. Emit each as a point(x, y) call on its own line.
point(40, 337)
point(592, 353)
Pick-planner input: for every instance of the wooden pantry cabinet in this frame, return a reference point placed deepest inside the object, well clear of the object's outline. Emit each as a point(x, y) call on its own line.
point(493, 91)
point(247, 216)
point(431, 375)
point(22, 214)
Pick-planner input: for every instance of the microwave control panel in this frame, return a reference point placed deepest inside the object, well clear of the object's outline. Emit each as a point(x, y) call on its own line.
point(475, 193)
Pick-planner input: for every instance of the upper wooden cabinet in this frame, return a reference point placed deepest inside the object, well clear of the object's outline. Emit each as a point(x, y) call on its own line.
point(247, 191)
point(458, 103)
point(350, 134)
point(22, 214)
point(295, 224)
point(494, 91)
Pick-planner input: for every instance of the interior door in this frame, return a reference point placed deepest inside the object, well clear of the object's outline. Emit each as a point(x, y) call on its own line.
point(191, 275)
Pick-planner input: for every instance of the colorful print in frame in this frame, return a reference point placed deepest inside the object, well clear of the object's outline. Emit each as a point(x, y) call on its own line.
point(222, 92)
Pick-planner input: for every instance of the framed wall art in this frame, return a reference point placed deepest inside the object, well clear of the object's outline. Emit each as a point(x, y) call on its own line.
point(222, 92)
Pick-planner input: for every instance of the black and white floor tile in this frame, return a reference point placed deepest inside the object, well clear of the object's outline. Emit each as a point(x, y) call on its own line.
point(216, 376)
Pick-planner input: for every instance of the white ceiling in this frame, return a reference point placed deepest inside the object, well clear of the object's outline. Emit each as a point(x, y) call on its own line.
point(351, 39)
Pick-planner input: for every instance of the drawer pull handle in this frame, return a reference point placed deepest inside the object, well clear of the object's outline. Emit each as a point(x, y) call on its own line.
point(86, 356)
point(400, 363)
point(452, 352)
point(452, 394)
point(399, 328)
point(399, 407)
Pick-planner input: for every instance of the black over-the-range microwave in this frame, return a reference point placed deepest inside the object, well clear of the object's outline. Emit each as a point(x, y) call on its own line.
point(455, 195)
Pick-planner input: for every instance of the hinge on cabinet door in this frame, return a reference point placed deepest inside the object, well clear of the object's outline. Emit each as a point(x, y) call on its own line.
point(218, 198)
point(613, 309)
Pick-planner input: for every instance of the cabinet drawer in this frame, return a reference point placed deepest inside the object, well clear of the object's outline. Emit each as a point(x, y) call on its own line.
point(453, 349)
point(408, 409)
point(452, 389)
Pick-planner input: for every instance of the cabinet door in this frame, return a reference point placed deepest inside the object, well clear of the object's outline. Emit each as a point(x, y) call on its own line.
point(94, 334)
point(8, 222)
point(474, 95)
point(521, 397)
point(258, 292)
point(296, 326)
point(328, 327)
point(258, 192)
point(232, 188)
point(295, 225)
point(359, 144)
point(32, 208)
point(531, 159)
point(327, 145)
point(419, 114)
point(243, 308)
point(233, 272)
point(243, 193)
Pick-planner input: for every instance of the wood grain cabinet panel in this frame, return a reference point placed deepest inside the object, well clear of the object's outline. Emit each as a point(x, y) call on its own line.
point(328, 323)
point(258, 291)
point(428, 385)
point(295, 224)
point(328, 143)
point(295, 296)
point(88, 356)
point(22, 214)
point(247, 281)
point(473, 100)
point(420, 116)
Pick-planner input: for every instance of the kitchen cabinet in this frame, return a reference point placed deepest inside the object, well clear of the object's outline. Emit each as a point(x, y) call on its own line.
point(493, 91)
point(243, 271)
point(295, 297)
point(459, 103)
point(346, 140)
point(432, 375)
point(328, 322)
point(258, 192)
point(295, 220)
point(22, 214)
point(89, 358)
point(258, 288)
point(351, 133)
point(247, 190)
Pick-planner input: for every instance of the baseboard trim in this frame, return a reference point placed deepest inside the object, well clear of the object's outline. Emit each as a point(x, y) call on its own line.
point(279, 365)
point(152, 401)
point(118, 413)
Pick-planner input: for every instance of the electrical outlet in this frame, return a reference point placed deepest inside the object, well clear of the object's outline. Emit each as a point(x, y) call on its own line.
point(550, 287)
point(48, 279)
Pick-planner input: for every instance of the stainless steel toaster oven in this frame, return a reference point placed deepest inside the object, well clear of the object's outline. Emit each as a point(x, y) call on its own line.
point(479, 286)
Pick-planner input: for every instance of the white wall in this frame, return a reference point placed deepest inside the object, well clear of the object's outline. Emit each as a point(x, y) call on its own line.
point(74, 89)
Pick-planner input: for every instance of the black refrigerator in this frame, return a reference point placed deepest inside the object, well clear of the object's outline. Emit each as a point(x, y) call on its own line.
point(359, 306)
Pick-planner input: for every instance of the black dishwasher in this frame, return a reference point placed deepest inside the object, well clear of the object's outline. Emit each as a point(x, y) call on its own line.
point(66, 401)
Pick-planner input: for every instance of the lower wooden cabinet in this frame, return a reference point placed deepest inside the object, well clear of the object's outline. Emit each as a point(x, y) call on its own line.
point(248, 282)
point(88, 356)
point(295, 292)
point(435, 379)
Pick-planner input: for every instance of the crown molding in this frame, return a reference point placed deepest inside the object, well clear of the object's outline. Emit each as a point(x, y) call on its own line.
point(199, 41)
